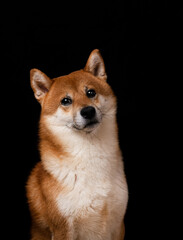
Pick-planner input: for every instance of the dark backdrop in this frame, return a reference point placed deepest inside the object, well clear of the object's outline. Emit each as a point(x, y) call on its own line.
point(134, 38)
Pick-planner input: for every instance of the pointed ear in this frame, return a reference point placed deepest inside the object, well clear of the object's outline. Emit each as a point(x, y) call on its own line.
point(40, 83)
point(95, 65)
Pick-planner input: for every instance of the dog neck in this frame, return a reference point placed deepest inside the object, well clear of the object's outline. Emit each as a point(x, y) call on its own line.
point(61, 147)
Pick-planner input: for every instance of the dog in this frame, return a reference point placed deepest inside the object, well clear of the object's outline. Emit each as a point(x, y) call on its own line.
point(78, 191)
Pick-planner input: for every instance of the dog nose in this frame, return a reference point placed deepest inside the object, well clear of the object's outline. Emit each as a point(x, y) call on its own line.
point(88, 112)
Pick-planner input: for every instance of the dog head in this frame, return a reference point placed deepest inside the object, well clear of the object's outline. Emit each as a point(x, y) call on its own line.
point(79, 101)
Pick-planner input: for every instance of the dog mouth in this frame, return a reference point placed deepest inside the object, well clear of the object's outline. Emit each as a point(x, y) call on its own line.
point(88, 126)
point(91, 124)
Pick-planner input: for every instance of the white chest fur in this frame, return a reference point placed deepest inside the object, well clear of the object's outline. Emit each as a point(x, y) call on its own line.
point(87, 186)
point(92, 179)
point(95, 183)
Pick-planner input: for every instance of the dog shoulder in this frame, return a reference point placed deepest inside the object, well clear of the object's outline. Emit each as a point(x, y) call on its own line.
point(42, 190)
point(41, 185)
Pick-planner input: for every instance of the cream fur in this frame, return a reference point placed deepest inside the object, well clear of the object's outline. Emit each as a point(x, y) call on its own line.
point(95, 158)
point(78, 191)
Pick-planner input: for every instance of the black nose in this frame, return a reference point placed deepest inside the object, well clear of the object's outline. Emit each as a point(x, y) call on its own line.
point(88, 112)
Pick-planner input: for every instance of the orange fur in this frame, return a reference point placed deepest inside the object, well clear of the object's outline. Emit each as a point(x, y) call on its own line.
point(42, 188)
point(45, 186)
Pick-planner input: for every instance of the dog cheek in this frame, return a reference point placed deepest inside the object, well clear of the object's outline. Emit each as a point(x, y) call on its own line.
point(101, 104)
point(106, 104)
point(61, 117)
point(66, 117)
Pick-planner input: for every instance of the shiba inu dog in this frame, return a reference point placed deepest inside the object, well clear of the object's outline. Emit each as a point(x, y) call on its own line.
point(78, 190)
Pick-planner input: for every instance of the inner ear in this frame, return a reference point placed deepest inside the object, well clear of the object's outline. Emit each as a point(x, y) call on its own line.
point(95, 65)
point(97, 69)
point(42, 87)
point(40, 83)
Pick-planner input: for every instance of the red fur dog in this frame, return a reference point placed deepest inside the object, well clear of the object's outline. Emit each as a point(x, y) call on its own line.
point(78, 190)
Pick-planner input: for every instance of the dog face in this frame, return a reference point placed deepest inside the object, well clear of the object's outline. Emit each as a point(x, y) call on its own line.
point(78, 101)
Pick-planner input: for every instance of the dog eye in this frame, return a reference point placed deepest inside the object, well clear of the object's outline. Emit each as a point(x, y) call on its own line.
point(90, 93)
point(66, 101)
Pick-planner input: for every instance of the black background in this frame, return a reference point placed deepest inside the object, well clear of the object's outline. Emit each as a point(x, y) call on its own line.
point(136, 40)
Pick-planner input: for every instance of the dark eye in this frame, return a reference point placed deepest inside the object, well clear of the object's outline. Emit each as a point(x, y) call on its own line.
point(66, 101)
point(90, 93)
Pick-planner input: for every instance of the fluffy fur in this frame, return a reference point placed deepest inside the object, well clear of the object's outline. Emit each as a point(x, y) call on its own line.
point(78, 190)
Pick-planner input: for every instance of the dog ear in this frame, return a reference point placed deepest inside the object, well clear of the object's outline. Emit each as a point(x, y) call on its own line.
point(95, 65)
point(40, 83)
